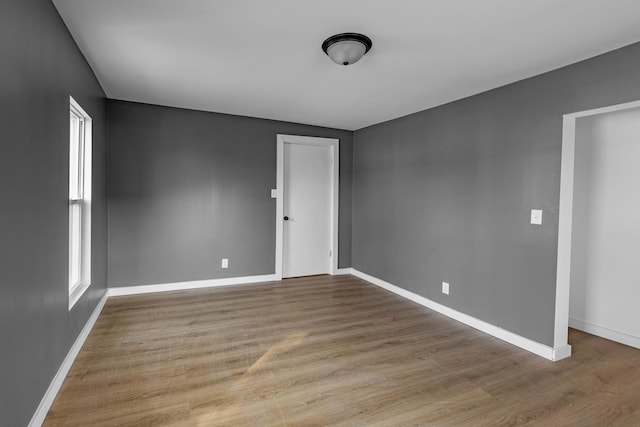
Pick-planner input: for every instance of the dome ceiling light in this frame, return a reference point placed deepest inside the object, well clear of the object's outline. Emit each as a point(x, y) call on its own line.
point(346, 48)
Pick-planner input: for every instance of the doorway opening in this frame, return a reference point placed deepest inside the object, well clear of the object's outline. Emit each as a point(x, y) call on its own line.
point(569, 201)
point(306, 206)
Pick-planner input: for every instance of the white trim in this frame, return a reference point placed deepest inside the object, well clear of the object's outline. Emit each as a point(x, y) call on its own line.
point(335, 186)
point(58, 379)
point(343, 271)
point(195, 284)
point(561, 352)
point(605, 110)
point(76, 290)
point(547, 352)
point(606, 333)
point(279, 205)
point(563, 267)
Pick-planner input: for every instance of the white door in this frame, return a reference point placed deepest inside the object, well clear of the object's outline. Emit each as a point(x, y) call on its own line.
point(307, 210)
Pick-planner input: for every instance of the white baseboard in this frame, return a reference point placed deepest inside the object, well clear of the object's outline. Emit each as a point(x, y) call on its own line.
point(58, 379)
point(604, 332)
point(195, 284)
point(343, 271)
point(535, 347)
point(561, 352)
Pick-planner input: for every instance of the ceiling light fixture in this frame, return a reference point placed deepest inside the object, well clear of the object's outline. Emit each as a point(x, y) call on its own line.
point(346, 48)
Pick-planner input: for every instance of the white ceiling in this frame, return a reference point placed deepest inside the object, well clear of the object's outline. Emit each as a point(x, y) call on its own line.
point(262, 58)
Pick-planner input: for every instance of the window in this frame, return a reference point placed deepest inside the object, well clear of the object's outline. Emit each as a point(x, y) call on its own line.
point(79, 202)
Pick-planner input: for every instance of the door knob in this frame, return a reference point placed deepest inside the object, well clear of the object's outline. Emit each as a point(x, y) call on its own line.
point(286, 218)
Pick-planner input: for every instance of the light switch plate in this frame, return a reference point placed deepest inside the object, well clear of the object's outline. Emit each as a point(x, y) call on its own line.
point(274, 193)
point(445, 288)
point(536, 216)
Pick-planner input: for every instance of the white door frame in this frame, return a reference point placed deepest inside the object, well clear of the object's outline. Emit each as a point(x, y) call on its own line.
point(563, 275)
point(334, 144)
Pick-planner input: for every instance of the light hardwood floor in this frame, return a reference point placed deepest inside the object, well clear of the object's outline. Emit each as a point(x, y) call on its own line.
point(328, 351)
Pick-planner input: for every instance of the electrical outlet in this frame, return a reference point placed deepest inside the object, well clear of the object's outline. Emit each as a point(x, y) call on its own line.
point(225, 263)
point(274, 193)
point(445, 288)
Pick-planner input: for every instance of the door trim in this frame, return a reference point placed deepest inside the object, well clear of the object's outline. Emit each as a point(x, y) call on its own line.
point(565, 220)
point(334, 144)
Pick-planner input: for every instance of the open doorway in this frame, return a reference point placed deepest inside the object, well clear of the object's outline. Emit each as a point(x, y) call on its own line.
point(598, 232)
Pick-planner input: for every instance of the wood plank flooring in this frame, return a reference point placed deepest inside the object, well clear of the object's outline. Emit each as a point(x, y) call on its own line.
point(324, 351)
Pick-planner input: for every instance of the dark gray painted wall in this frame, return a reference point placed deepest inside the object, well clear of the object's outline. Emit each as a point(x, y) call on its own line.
point(40, 66)
point(445, 194)
point(188, 188)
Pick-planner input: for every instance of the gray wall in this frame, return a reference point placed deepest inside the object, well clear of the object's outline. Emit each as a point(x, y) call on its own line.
point(188, 188)
point(445, 194)
point(40, 67)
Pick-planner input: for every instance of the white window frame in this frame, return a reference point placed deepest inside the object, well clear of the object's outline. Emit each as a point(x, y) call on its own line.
point(80, 148)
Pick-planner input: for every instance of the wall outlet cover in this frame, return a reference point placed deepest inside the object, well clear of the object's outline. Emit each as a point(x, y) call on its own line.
point(274, 193)
point(225, 263)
